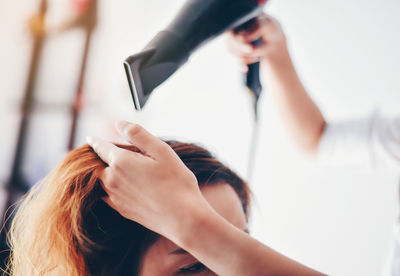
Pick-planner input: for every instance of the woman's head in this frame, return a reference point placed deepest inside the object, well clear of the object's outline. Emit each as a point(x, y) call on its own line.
point(63, 227)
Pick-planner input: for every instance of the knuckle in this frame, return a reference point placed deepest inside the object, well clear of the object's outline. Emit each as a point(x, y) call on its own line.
point(161, 147)
point(189, 176)
point(132, 130)
point(113, 158)
point(118, 160)
point(112, 184)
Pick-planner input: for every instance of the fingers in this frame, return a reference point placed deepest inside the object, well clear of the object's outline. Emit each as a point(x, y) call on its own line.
point(110, 153)
point(240, 43)
point(267, 26)
point(255, 57)
point(109, 181)
point(105, 150)
point(145, 141)
point(237, 43)
point(116, 191)
point(253, 35)
point(240, 48)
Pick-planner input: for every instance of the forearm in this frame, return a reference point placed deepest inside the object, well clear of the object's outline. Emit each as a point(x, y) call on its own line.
point(300, 114)
point(229, 251)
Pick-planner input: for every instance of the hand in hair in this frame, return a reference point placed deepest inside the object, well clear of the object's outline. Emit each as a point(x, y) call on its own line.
point(157, 190)
point(153, 188)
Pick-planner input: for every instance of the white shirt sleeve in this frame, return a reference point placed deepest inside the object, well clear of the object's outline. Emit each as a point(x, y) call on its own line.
point(372, 141)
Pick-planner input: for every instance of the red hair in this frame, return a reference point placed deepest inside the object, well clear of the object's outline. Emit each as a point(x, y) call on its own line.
point(63, 227)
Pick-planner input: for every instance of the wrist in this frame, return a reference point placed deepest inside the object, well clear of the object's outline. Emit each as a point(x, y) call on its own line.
point(278, 56)
point(198, 215)
point(279, 65)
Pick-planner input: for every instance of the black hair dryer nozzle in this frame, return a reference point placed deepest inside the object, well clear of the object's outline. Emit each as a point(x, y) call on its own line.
point(197, 22)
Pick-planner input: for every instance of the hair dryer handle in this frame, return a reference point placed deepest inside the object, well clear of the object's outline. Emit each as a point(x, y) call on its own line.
point(253, 75)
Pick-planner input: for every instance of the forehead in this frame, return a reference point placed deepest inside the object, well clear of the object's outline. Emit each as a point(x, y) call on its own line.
point(224, 199)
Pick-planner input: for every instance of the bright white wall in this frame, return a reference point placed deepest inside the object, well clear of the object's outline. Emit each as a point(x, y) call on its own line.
point(337, 220)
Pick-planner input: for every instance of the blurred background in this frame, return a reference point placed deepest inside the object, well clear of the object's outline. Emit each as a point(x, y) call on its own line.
point(336, 220)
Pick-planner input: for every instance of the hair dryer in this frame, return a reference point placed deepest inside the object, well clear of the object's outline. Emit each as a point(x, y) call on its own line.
point(197, 22)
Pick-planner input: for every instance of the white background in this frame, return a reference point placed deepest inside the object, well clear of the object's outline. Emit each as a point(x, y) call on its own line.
point(337, 220)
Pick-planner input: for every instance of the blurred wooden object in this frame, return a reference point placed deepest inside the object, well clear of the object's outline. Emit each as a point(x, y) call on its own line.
point(87, 21)
point(17, 184)
point(85, 18)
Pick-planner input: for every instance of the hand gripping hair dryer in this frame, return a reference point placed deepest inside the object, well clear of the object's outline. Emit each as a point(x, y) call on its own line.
point(197, 22)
